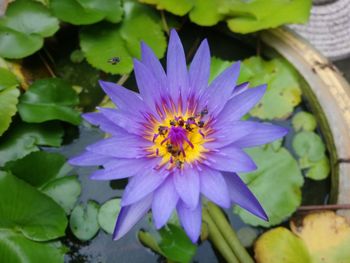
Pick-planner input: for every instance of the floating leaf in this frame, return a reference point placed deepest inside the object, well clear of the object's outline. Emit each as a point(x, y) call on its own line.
point(83, 220)
point(283, 92)
point(241, 16)
point(254, 15)
point(65, 191)
point(276, 184)
point(176, 245)
point(25, 138)
point(8, 102)
point(103, 41)
point(37, 168)
point(319, 170)
point(321, 237)
point(304, 121)
point(177, 7)
point(49, 99)
point(30, 212)
point(23, 28)
point(279, 245)
point(326, 235)
point(82, 12)
point(7, 79)
point(108, 214)
point(309, 145)
point(14, 248)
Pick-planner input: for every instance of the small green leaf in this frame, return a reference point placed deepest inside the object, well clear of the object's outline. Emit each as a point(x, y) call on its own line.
point(108, 214)
point(283, 88)
point(83, 12)
point(15, 248)
point(83, 220)
point(25, 138)
point(8, 102)
point(37, 168)
point(206, 12)
point(276, 184)
point(310, 145)
point(176, 245)
point(23, 28)
point(65, 191)
point(304, 121)
point(104, 41)
point(30, 212)
point(49, 99)
point(250, 16)
point(319, 170)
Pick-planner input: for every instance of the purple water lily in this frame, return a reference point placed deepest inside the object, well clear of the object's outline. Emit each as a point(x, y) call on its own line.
point(179, 140)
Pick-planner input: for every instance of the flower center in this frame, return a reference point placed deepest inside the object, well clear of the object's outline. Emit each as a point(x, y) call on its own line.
point(179, 140)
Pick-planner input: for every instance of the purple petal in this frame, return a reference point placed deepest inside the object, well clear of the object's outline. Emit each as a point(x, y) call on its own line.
point(231, 159)
point(240, 88)
point(190, 219)
point(214, 187)
point(241, 104)
point(164, 202)
point(230, 133)
point(122, 119)
point(141, 185)
point(126, 146)
point(125, 99)
point(264, 133)
point(130, 215)
point(147, 84)
point(123, 168)
point(89, 159)
point(150, 60)
point(242, 196)
point(98, 119)
point(178, 82)
point(187, 186)
point(220, 90)
point(200, 68)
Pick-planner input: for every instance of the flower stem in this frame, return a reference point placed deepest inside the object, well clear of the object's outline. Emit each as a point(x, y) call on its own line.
point(228, 233)
point(218, 240)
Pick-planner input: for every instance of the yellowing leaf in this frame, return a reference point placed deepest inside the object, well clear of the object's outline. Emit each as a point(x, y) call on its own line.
point(326, 235)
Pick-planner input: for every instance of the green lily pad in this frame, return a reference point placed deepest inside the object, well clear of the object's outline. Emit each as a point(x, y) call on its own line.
point(319, 170)
point(280, 245)
point(8, 102)
point(276, 184)
point(23, 28)
point(82, 12)
point(177, 7)
point(310, 145)
point(25, 138)
point(49, 99)
point(176, 245)
point(15, 248)
point(104, 41)
point(108, 214)
point(70, 186)
point(28, 211)
point(83, 220)
point(37, 168)
point(241, 16)
point(7, 79)
point(283, 91)
point(250, 16)
point(304, 121)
